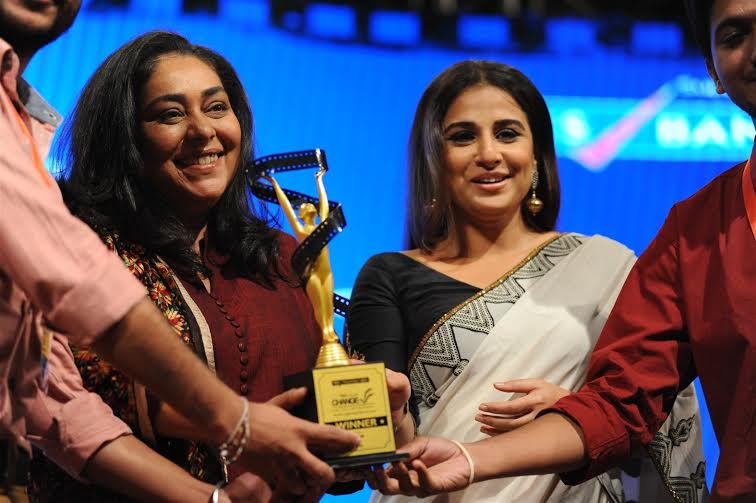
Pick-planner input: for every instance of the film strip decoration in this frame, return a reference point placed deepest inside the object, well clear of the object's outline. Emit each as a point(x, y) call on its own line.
point(309, 249)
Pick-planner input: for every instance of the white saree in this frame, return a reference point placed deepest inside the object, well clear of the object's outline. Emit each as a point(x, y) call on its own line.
point(541, 320)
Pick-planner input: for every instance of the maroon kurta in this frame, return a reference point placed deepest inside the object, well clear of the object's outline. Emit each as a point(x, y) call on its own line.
point(259, 335)
point(688, 309)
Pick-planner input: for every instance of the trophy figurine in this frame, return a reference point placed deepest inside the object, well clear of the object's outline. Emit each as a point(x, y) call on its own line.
point(319, 286)
point(350, 396)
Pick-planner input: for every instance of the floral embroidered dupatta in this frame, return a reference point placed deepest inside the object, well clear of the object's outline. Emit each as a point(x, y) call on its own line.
point(128, 398)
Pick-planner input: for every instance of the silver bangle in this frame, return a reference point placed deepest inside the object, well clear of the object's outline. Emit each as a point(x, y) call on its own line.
point(469, 461)
point(215, 497)
point(230, 450)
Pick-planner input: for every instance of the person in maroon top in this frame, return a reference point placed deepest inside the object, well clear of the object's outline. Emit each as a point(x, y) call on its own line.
point(156, 155)
point(687, 310)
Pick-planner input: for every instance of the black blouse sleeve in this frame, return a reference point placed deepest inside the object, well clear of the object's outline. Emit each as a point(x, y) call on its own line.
point(375, 326)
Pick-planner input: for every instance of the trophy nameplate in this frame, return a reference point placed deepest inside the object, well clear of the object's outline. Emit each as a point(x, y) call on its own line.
point(351, 397)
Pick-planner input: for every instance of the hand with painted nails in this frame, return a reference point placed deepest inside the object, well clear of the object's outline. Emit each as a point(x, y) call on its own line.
point(506, 415)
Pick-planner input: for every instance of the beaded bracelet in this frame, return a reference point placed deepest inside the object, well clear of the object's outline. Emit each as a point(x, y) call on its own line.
point(230, 450)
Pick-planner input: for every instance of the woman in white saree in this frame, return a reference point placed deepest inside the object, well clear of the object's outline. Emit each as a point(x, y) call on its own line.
point(491, 293)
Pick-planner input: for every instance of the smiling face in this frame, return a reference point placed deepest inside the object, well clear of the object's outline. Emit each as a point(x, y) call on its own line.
point(733, 49)
point(191, 136)
point(489, 156)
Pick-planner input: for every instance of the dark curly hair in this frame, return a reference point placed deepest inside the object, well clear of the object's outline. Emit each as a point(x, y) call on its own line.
point(99, 153)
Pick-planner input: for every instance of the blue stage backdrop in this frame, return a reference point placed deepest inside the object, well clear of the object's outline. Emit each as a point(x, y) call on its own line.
point(635, 132)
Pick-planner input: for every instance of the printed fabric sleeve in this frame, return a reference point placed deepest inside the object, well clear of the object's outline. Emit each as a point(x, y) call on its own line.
point(641, 361)
point(69, 423)
point(54, 258)
point(375, 327)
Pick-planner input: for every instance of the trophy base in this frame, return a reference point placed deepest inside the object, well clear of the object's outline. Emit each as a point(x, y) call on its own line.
point(366, 460)
point(355, 398)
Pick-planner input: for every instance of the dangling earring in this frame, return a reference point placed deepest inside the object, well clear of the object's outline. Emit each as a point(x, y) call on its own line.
point(535, 205)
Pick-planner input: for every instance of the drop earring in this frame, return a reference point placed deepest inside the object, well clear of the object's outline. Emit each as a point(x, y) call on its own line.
point(535, 205)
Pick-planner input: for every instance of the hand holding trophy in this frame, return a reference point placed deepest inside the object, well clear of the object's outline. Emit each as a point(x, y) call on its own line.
point(352, 397)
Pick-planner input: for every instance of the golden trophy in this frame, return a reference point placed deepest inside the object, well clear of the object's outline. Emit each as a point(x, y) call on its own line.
point(346, 395)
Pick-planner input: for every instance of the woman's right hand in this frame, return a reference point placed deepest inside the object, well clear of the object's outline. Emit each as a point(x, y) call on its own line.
point(507, 415)
point(399, 391)
point(279, 447)
point(436, 465)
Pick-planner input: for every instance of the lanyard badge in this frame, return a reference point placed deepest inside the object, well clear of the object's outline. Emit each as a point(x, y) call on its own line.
point(46, 341)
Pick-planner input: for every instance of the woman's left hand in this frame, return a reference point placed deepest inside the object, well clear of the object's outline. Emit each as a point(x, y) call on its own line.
point(499, 417)
point(436, 465)
point(398, 389)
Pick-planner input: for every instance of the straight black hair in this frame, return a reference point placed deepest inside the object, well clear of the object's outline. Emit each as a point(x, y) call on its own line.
point(430, 219)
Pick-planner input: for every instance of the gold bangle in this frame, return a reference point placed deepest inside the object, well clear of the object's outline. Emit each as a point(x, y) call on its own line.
point(469, 461)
